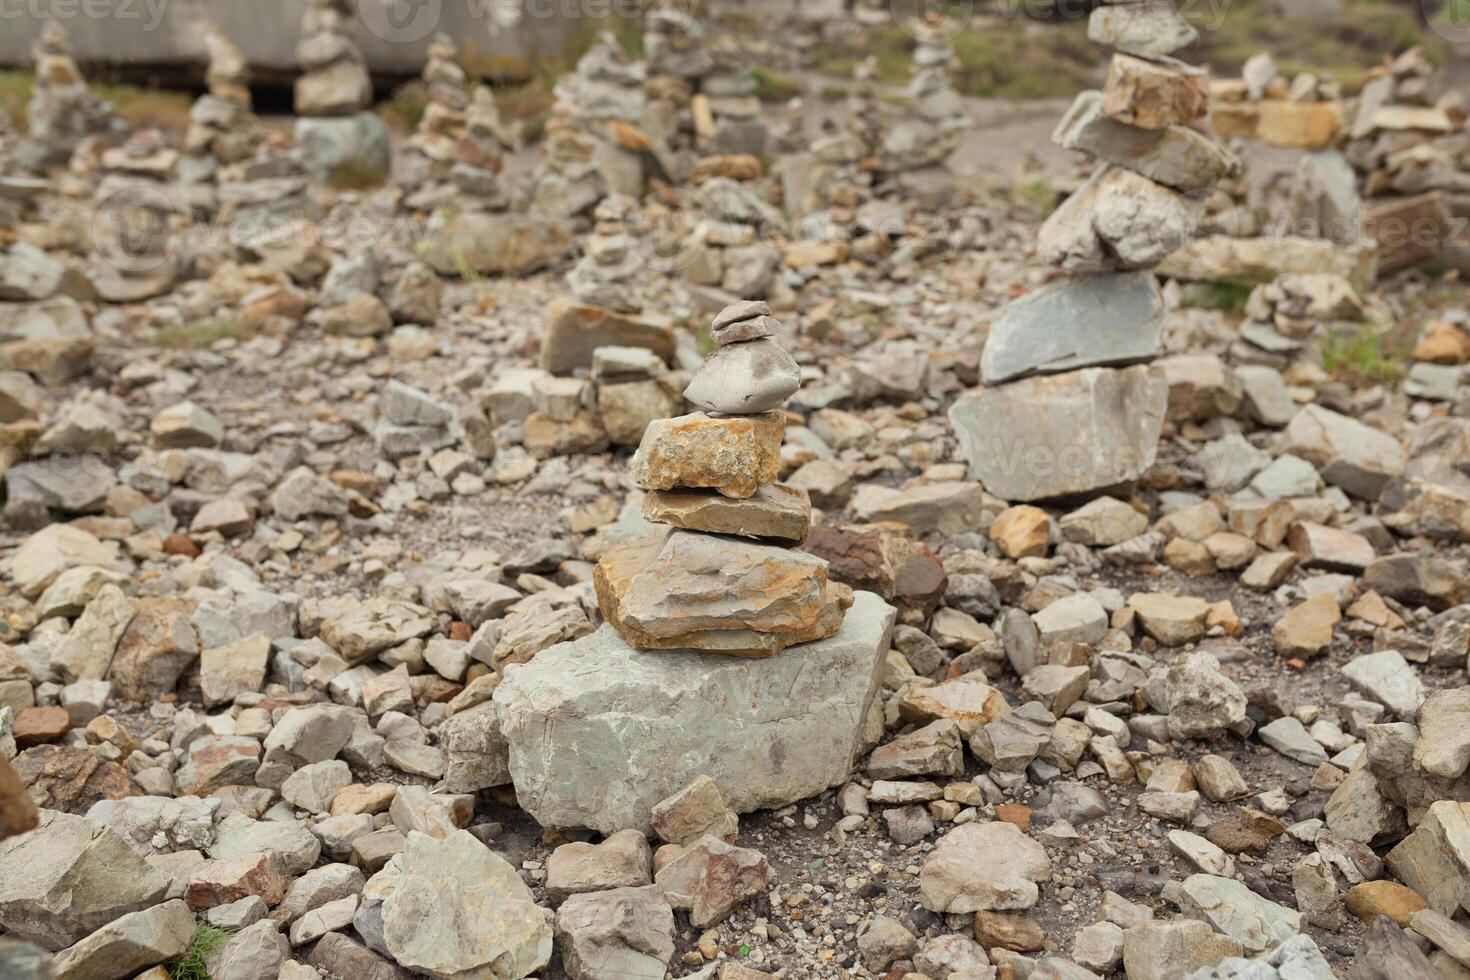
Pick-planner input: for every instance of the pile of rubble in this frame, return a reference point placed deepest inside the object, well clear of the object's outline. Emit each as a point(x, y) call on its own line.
point(223, 128)
point(62, 111)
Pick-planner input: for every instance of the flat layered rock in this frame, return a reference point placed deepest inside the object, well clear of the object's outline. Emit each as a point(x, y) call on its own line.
point(1176, 156)
point(599, 732)
point(736, 456)
point(777, 512)
point(1076, 323)
point(1085, 430)
point(574, 331)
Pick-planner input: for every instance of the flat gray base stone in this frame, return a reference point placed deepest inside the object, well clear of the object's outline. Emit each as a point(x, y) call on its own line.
point(600, 732)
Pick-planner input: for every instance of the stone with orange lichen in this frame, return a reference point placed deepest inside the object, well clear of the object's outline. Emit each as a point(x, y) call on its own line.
point(680, 590)
point(735, 455)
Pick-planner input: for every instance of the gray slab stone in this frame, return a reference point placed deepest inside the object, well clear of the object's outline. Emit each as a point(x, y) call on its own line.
point(599, 732)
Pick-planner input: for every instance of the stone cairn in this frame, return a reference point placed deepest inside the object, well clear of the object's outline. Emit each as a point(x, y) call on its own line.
point(831, 181)
point(431, 152)
point(605, 273)
point(480, 155)
point(135, 219)
point(710, 477)
point(915, 150)
point(334, 94)
point(595, 139)
point(1053, 357)
point(223, 128)
point(62, 111)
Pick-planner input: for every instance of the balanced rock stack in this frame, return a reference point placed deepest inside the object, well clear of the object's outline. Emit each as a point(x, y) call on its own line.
point(432, 150)
point(604, 275)
point(62, 111)
point(1056, 356)
point(334, 95)
point(598, 141)
point(916, 149)
point(223, 128)
point(711, 476)
point(481, 153)
point(135, 220)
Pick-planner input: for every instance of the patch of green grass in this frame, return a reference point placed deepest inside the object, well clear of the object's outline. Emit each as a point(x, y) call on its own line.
point(15, 89)
point(1036, 197)
point(147, 105)
point(704, 342)
point(773, 86)
point(354, 176)
point(1340, 47)
point(1025, 61)
point(1361, 355)
point(528, 105)
point(1230, 297)
point(405, 107)
point(831, 93)
point(191, 966)
point(202, 334)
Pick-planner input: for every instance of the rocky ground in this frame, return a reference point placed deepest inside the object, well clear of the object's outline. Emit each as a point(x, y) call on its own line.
point(306, 672)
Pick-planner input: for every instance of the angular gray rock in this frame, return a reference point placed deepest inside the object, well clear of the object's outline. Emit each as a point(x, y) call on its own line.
point(600, 732)
point(744, 378)
point(1116, 220)
point(1076, 323)
point(130, 944)
point(625, 933)
point(1175, 156)
point(1085, 430)
point(67, 878)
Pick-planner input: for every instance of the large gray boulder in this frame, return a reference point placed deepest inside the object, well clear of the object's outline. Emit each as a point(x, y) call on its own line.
point(1076, 323)
point(1063, 434)
point(355, 145)
point(497, 243)
point(600, 732)
point(66, 879)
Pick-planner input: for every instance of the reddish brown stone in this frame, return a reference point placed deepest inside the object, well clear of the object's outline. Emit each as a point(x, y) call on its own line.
point(881, 558)
point(153, 652)
point(1016, 813)
point(17, 810)
point(179, 544)
point(59, 777)
point(231, 879)
point(38, 726)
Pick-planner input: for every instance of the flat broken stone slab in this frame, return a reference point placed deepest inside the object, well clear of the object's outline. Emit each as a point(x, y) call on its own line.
point(778, 512)
point(600, 732)
point(574, 331)
point(685, 590)
point(1080, 322)
point(1082, 431)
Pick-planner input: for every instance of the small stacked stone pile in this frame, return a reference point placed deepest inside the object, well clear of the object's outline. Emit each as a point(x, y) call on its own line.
point(433, 148)
point(62, 111)
point(596, 139)
point(729, 254)
point(605, 273)
point(222, 125)
point(134, 225)
point(1052, 357)
point(334, 94)
point(914, 152)
point(839, 172)
point(480, 155)
point(711, 478)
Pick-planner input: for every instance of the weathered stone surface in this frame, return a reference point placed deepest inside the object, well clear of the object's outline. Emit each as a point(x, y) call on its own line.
point(573, 332)
point(744, 378)
point(683, 590)
point(459, 910)
point(1370, 899)
point(1175, 948)
point(1115, 221)
point(60, 777)
point(1443, 746)
point(1175, 156)
point(1086, 430)
point(1172, 620)
point(1388, 679)
point(696, 810)
point(1306, 630)
point(935, 749)
point(621, 861)
point(710, 879)
point(497, 243)
point(735, 456)
point(67, 879)
point(1075, 323)
point(17, 811)
point(777, 512)
point(772, 731)
point(1435, 859)
point(154, 650)
point(1203, 702)
point(948, 506)
point(1350, 454)
point(622, 933)
point(969, 701)
point(1150, 30)
point(369, 628)
point(1229, 906)
point(1154, 94)
point(129, 944)
point(983, 866)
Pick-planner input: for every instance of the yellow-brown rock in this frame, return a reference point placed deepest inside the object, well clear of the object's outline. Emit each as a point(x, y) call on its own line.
point(777, 512)
point(1154, 95)
point(682, 590)
point(736, 455)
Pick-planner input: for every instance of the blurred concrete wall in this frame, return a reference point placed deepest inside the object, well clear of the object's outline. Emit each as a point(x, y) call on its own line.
point(498, 38)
